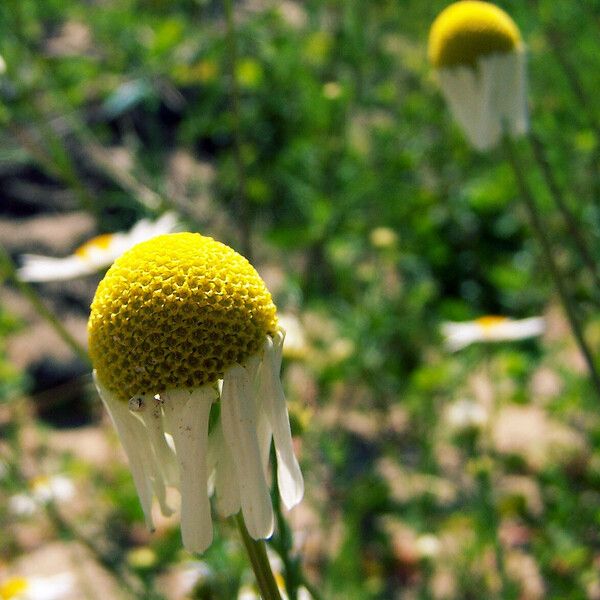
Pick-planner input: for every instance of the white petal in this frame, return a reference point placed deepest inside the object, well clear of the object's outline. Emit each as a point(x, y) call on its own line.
point(462, 90)
point(134, 438)
point(482, 99)
point(46, 268)
point(187, 414)
point(162, 462)
point(226, 482)
point(238, 417)
point(264, 431)
point(54, 587)
point(460, 335)
point(289, 477)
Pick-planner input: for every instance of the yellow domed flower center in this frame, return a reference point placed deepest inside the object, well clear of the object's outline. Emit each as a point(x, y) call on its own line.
point(175, 312)
point(467, 30)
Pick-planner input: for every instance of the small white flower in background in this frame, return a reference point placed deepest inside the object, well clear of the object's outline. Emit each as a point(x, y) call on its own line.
point(54, 587)
point(42, 490)
point(295, 340)
point(466, 414)
point(490, 329)
point(95, 254)
point(428, 546)
point(191, 574)
point(477, 52)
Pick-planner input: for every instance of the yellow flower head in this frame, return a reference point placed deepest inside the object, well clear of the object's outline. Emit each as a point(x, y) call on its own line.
point(467, 30)
point(175, 312)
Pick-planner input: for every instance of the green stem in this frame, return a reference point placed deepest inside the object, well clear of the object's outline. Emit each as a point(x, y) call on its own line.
point(282, 542)
point(571, 222)
point(8, 267)
point(540, 232)
point(241, 204)
point(260, 562)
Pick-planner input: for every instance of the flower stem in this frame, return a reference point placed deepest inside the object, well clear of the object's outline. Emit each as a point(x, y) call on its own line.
point(571, 222)
point(7, 266)
point(540, 232)
point(260, 562)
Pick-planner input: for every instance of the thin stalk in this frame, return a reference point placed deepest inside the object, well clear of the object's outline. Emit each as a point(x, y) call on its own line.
point(570, 220)
point(282, 543)
point(62, 168)
point(7, 266)
point(551, 265)
point(558, 45)
point(241, 203)
point(260, 562)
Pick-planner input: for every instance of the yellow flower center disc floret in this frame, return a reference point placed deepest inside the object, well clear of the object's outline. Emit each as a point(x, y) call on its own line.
point(175, 312)
point(467, 30)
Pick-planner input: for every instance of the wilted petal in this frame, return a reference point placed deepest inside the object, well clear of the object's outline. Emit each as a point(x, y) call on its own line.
point(136, 443)
point(162, 461)
point(226, 483)
point(187, 414)
point(289, 476)
point(238, 417)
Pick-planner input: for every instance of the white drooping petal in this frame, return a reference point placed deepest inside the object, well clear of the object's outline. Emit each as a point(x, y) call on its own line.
point(239, 420)
point(485, 99)
point(136, 443)
point(289, 476)
point(226, 483)
point(264, 432)
point(187, 413)
point(163, 460)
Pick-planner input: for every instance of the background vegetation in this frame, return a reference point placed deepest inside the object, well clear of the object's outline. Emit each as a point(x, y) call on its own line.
point(338, 168)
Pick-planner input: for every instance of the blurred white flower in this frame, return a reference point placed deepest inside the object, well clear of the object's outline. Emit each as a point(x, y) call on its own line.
point(428, 546)
point(42, 490)
point(479, 57)
point(465, 414)
point(55, 587)
point(95, 254)
point(192, 573)
point(295, 341)
point(490, 329)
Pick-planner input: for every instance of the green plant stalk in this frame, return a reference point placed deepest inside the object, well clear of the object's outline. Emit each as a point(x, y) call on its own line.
point(260, 562)
point(282, 543)
point(569, 218)
point(8, 267)
point(241, 204)
point(551, 265)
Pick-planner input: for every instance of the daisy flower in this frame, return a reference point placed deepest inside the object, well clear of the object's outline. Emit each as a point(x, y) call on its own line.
point(42, 490)
point(465, 415)
point(186, 348)
point(55, 587)
point(477, 52)
point(97, 253)
point(490, 328)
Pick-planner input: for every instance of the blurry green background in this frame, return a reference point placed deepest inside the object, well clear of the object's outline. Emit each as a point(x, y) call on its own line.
point(372, 222)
